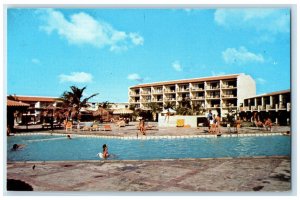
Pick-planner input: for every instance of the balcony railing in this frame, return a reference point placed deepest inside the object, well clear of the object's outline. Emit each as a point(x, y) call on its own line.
point(146, 93)
point(197, 89)
point(229, 96)
point(212, 88)
point(183, 89)
point(212, 97)
point(157, 92)
point(228, 87)
point(169, 91)
point(134, 94)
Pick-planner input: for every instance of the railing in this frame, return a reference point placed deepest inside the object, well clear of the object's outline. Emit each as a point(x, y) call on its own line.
point(146, 92)
point(169, 91)
point(157, 92)
point(212, 88)
point(197, 88)
point(228, 86)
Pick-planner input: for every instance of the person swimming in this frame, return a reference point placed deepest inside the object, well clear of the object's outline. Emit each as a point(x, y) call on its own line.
point(17, 146)
point(105, 151)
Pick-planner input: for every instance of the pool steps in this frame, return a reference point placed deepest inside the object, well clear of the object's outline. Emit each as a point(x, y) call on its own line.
point(157, 137)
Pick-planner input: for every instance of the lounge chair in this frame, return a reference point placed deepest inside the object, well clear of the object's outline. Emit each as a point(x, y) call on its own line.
point(121, 124)
point(180, 123)
point(95, 127)
point(86, 128)
point(107, 127)
point(69, 126)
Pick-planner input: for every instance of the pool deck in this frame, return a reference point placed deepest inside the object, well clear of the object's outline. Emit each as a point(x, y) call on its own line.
point(181, 175)
point(188, 175)
point(133, 132)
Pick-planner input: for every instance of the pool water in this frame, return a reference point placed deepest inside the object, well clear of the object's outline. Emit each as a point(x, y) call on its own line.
point(57, 148)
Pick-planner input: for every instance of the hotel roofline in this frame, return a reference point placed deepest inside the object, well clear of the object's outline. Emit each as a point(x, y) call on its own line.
point(182, 81)
point(34, 98)
point(271, 93)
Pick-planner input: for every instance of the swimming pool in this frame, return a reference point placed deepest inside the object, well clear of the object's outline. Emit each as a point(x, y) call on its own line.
point(58, 148)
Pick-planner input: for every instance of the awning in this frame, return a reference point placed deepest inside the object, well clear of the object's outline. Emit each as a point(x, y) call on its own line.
point(122, 111)
point(169, 110)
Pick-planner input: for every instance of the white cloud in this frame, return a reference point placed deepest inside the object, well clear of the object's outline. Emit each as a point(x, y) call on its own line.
point(35, 61)
point(261, 81)
point(76, 77)
point(264, 19)
point(241, 56)
point(176, 65)
point(82, 28)
point(135, 77)
point(136, 39)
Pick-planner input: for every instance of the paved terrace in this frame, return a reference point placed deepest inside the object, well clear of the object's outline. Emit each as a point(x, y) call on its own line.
point(190, 175)
point(132, 131)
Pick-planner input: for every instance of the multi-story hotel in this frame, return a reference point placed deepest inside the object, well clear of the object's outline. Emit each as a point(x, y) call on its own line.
point(276, 105)
point(218, 93)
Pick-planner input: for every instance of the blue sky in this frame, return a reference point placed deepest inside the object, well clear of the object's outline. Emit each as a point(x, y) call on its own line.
point(109, 50)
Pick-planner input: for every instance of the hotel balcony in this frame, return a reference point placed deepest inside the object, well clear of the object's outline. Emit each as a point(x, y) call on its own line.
point(229, 87)
point(212, 88)
point(169, 91)
point(157, 100)
point(183, 90)
point(146, 100)
point(146, 93)
point(245, 108)
point(170, 99)
point(198, 98)
point(134, 94)
point(228, 105)
point(157, 92)
point(194, 89)
point(213, 106)
point(212, 97)
point(228, 96)
point(253, 108)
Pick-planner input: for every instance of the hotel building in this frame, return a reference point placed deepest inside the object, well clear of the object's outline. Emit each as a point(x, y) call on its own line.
point(276, 105)
point(218, 93)
point(36, 105)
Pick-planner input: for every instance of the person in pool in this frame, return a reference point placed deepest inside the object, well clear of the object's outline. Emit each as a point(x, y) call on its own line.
point(105, 151)
point(18, 146)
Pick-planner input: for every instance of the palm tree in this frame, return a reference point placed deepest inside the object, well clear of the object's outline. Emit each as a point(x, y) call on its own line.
point(184, 108)
point(155, 108)
point(72, 100)
point(105, 105)
point(169, 104)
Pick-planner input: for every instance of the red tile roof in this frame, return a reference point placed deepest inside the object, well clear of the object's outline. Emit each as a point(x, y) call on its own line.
point(194, 80)
point(36, 99)
point(12, 103)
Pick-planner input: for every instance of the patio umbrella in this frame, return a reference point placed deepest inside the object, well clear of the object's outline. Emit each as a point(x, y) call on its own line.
point(122, 111)
point(169, 110)
point(100, 112)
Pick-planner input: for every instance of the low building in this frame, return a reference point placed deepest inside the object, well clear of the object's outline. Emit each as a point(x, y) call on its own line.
point(276, 105)
point(36, 105)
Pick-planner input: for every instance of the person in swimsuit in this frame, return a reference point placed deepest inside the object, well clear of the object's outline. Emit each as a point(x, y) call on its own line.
point(105, 151)
point(18, 146)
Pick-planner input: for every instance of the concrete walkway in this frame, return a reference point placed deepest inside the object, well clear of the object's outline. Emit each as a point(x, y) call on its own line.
point(189, 175)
